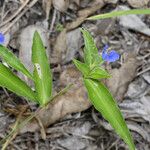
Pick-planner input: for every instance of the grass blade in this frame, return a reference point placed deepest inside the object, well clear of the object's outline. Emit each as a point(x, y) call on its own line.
point(120, 13)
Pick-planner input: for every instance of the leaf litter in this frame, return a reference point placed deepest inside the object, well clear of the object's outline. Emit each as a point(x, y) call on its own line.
point(67, 121)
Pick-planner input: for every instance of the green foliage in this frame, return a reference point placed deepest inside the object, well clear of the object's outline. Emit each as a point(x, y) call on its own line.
point(120, 13)
point(15, 84)
point(84, 68)
point(103, 101)
point(90, 50)
point(42, 73)
point(98, 94)
point(13, 61)
point(98, 73)
point(92, 72)
point(95, 73)
point(59, 27)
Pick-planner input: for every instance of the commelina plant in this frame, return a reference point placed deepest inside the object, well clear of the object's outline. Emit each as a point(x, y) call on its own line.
point(99, 95)
point(92, 73)
point(91, 69)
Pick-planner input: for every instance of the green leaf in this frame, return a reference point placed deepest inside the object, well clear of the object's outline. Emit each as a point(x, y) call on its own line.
point(42, 73)
point(95, 73)
point(98, 73)
point(120, 13)
point(15, 84)
point(101, 60)
point(104, 103)
point(13, 61)
point(82, 67)
point(97, 60)
point(90, 50)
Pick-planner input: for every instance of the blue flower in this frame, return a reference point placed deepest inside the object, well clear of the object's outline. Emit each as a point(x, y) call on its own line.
point(109, 56)
point(2, 38)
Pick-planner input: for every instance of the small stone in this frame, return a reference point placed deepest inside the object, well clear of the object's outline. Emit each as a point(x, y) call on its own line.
point(138, 3)
point(136, 88)
point(133, 22)
point(74, 43)
point(111, 1)
point(25, 49)
point(146, 77)
point(73, 143)
point(61, 5)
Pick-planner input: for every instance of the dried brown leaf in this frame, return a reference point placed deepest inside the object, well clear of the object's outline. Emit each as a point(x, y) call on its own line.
point(46, 4)
point(61, 5)
point(75, 1)
point(75, 100)
point(138, 3)
point(83, 14)
point(60, 47)
point(122, 77)
point(66, 46)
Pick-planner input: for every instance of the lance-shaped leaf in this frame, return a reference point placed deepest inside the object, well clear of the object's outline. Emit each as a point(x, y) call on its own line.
point(104, 103)
point(97, 60)
point(95, 73)
point(98, 73)
point(42, 73)
point(15, 84)
point(13, 61)
point(82, 67)
point(90, 50)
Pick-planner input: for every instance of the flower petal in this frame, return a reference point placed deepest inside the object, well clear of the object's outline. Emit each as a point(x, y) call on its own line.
point(2, 38)
point(104, 52)
point(112, 56)
point(104, 56)
point(105, 48)
point(109, 56)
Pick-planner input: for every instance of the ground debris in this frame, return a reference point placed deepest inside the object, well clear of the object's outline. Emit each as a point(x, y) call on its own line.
point(66, 46)
point(118, 84)
point(133, 22)
point(138, 3)
point(69, 123)
point(25, 49)
point(75, 100)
